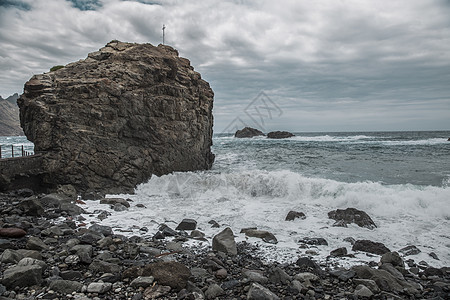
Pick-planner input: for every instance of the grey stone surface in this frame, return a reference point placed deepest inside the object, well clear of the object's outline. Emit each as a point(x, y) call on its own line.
point(258, 292)
point(142, 281)
point(256, 276)
point(124, 113)
point(22, 276)
point(99, 287)
point(213, 291)
point(248, 132)
point(65, 286)
point(292, 215)
point(224, 242)
point(279, 276)
point(352, 215)
point(262, 234)
point(363, 291)
point(370, 247)
point(187, 224)
point(35, 243)
point(10, 256)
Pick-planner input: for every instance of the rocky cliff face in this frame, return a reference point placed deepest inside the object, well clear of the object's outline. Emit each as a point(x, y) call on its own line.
point(110, 121)
point(9, 116)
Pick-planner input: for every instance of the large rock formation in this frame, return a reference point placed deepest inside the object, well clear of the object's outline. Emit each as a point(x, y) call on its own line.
point(279, 135)
point(110, 121)
point(248, 132)
point(9, 116)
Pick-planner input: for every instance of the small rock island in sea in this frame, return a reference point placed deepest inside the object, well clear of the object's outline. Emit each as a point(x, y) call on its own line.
point(112, 120)
point(248, 132)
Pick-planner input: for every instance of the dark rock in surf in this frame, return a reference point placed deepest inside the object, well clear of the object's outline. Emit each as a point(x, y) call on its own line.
point(279, 135)
point(392, 258)
point(370, 247)
point(339, 252)
point(187, 224)
point(314, 241)
point(352, 215)
point(409, 250)
point(112, 120)
point(292, 215)
point(248, 132)
point(114, 201)
point(262, 234)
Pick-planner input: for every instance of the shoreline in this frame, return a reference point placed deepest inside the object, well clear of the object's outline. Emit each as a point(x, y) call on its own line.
point(91, 262)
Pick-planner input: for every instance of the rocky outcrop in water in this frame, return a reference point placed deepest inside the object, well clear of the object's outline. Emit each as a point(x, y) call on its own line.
point(351, 215)
point(248, 132)
point(110, 121)
point(279, 135)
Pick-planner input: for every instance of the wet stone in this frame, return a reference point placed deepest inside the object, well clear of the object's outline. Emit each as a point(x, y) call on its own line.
point(187, 224)
point(214, 224)
point(314, 241)
point(339, 252)
point(343, 274)
point(101, 229)
point(224, 242)
point(119, 207)
point(409, 250)
point(114, 201)
point(292, 215)
point(370, 247)
point(35, 243)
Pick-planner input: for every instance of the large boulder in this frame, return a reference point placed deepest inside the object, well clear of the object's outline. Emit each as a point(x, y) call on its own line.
point(384, 280)
point(110, 121)
point(224, 242)
point(370, 247)
point(171, 273)
point(22, 276)
point(352, 215)
point(248, 132)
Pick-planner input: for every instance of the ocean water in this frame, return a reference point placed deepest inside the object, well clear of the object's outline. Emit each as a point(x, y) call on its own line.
point(401, 179)
point(17, 142)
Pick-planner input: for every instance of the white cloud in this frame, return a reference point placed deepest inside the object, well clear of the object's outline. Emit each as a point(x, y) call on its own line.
point(366, 52)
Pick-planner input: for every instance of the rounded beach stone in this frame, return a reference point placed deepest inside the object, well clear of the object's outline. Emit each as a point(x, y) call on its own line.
point(12, 232)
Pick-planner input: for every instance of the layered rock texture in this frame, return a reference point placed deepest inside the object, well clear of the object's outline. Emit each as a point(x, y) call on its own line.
point(9, 116)
point(110, 121)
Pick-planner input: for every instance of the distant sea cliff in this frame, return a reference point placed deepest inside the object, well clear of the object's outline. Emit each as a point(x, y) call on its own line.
point(9, 116)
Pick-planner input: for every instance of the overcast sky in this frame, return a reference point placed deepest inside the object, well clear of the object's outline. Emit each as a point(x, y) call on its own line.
point(326, 65)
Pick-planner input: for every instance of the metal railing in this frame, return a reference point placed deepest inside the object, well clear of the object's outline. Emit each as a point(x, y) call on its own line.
point(13, 151)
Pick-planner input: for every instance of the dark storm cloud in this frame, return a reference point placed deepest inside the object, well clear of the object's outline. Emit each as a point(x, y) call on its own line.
point(328, 64)
point(14, 3)
point(86, 4)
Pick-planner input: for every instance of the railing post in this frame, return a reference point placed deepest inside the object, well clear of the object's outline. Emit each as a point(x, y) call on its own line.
point(0, 151)
point(12, 151)
point(23, 152)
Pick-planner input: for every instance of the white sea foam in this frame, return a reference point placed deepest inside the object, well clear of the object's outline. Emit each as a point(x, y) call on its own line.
point(352, 139)
point(404, 214)
point(328, 138)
